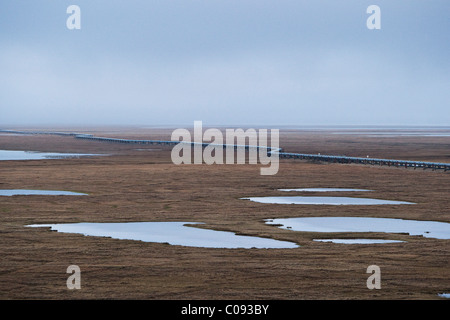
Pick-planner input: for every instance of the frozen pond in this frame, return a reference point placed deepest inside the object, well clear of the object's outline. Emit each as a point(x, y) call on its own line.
point(428, 229)
point(358, 241)
point(14, 192)
point(324, 200)
point(174, 233)
point(34, 155)
point(323, 189)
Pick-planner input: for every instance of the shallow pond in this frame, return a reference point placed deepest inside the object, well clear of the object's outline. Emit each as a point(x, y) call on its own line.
point(174, 233)
point(428, 229)
point(15, 192)
point(32, 155)
point(323, 189)
point(324, 200)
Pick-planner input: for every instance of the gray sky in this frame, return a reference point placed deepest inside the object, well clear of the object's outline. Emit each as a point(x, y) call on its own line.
point(225, 62)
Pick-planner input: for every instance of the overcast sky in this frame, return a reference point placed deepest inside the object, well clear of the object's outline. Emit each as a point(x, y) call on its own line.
point(225, 62)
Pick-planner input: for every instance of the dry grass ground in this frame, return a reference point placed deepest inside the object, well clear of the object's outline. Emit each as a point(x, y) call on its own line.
point(144, 185)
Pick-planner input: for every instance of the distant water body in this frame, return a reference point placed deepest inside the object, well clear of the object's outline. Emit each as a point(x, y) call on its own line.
point(25, 192)
point(324, 200)
point(396, 134)
point(35, 155)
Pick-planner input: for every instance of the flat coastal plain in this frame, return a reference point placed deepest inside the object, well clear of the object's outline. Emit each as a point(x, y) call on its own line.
point(139, 183)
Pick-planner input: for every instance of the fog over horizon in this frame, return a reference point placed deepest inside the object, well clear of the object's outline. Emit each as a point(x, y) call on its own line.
point(224, 62)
